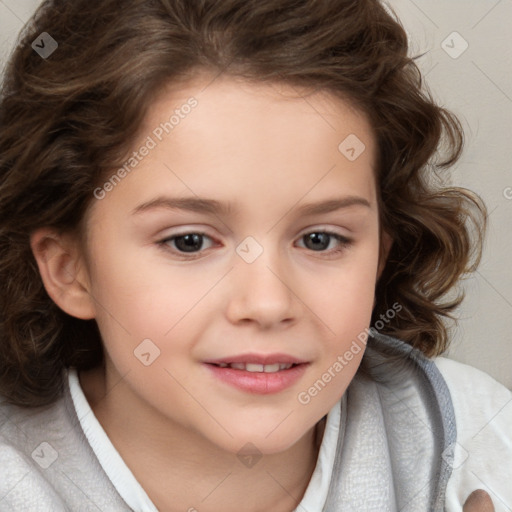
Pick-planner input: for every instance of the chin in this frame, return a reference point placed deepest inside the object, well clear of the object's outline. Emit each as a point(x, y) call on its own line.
point(264, 441)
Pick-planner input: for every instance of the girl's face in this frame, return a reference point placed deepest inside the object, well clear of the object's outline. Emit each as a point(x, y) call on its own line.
point(247, 230)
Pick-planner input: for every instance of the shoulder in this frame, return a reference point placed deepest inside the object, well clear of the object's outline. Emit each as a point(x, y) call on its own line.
point(460, 373)
point(478, 399)
point(47, 463)
point(483, 450)
point(23, 485)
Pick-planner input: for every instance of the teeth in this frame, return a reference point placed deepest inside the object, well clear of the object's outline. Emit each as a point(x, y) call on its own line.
point(257, 368)
point(250, 367)
point(271, 368)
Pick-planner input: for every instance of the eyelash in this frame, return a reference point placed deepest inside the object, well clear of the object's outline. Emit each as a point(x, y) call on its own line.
point(164, 243)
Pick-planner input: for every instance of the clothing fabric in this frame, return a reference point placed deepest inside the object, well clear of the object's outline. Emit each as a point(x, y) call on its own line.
point(409, 434)
point(135, 496)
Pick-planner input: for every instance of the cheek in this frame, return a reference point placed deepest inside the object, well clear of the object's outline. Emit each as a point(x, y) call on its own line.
point(347, 296)
point(138, 301)
point(119, 288)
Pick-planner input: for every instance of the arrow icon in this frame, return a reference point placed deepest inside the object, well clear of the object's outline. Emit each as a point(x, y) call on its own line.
point(45, 455)
point(249, 455)
point(44, 45)
point(351, 147)
point(40, 456)
point(249, 253)
point(454, 45)
point(147, 352)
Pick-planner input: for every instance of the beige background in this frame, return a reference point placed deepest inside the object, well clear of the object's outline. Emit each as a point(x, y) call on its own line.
point(476, 84)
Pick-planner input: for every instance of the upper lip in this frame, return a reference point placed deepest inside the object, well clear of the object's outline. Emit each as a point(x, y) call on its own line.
point(258, 359)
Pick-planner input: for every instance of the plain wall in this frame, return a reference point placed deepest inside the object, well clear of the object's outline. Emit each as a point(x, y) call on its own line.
point(477, 86)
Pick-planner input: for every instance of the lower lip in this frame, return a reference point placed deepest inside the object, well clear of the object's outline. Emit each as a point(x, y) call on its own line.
point(259, 382)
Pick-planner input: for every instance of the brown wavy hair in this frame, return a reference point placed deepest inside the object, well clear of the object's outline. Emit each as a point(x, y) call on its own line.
point(66, 121)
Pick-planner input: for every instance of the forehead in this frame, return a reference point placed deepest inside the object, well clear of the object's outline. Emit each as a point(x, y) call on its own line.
point(244, 142)
point(274, 113)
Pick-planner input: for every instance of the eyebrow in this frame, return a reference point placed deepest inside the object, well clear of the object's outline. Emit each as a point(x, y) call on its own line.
point(212, 206)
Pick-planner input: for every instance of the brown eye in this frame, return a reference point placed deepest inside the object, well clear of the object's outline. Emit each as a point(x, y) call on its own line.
point(319, 241)
point(186, 243)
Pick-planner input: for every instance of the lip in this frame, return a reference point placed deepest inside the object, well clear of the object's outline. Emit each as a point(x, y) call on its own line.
point(259, 383)
point(259, 359)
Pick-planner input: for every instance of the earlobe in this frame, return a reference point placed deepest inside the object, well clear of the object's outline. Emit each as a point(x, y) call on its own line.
point(64, 276)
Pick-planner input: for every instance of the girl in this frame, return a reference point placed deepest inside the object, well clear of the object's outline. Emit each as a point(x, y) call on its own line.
point(225, 263)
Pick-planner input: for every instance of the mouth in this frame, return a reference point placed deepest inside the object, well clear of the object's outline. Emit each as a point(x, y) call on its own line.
point(257, 368)
point(258, 374)
point(255, 361)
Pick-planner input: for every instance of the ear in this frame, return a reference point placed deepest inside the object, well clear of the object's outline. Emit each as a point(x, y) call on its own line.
point(63, 273)
point(385, 246)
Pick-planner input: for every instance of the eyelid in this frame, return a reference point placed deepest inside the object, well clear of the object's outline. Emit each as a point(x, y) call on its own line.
point(310, 229)
point(322, 228)
point(330, 230)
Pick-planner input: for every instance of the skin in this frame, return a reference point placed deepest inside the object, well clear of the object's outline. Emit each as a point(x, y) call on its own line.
point(268, 150)
point(478, 501)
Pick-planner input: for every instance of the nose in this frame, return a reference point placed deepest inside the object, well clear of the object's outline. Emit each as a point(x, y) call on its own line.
point(262, 292)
